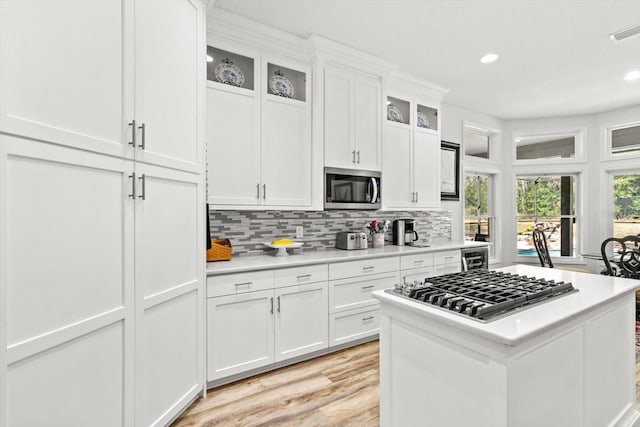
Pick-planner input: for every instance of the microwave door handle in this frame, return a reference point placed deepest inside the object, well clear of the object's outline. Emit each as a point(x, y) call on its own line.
point(375, 190)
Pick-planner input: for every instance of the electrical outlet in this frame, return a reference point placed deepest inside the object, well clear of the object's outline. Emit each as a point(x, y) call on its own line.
point(299, 232)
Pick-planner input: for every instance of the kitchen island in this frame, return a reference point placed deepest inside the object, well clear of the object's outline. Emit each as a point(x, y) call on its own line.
point(568, 361)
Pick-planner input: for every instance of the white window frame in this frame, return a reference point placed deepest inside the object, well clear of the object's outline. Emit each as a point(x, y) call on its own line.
point(578, 133)
point(553, 170)
point(607, 136)
point(490, 133)
point(491, 209)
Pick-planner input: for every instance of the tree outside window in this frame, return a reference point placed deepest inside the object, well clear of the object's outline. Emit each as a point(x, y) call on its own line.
point(626, 205)
point(546, 203)
point(478, 216)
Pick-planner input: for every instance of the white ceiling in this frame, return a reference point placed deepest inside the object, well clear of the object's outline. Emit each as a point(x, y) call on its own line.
point(556, 58)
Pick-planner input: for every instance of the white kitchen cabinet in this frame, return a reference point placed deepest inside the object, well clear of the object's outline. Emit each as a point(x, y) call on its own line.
point(169, 64)
point(262, 317)
point(258, 143)
point(119, 298)
point(352, 112)
point(169, 291)
point(350, 325)
point(63, 81)
point(240, 333)
point(411, 172)
point(110, 69)
point(301, 320)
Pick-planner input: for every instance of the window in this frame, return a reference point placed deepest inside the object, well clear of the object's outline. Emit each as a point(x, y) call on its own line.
point(547, 203)
point(478, 218)
point(545, 147)
point(626, 205)
point(625, 140)
point(477, 141)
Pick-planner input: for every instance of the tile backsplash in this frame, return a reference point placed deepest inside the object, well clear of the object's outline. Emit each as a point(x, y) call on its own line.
point(247, 230)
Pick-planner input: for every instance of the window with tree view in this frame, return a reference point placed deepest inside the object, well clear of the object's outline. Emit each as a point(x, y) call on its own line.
point(478, 219)
point(547, 203)
point(626, 205)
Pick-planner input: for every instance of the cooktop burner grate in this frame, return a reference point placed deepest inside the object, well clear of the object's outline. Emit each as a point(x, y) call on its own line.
point(482, 294)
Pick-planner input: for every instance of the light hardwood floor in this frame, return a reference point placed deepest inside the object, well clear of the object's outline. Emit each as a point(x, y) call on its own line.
point(339, 389)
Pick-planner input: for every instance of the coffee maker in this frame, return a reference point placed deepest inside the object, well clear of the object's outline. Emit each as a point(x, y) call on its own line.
point(404, 232)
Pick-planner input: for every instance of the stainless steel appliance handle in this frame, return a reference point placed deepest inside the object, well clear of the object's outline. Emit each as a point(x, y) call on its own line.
point(133, 133)
point(143, 193)
point(133, 185)
point(374, 183)
point(465, 266)
point(142, 143)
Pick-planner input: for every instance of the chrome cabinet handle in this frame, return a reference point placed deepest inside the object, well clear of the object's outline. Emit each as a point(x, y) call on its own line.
point(271, 305)
point(133, 185)
point(133, 133)
point(367, 287)
point(418, 261)
point(264, 191)
point(244, 284)
point(358, 162)
point(303, 276)
point(142, 127)
point(258, 190)
point(364, 319)
point(417, 197)
point(143, 180)
point(413, 196)
point(278, 303)
point(369, 267)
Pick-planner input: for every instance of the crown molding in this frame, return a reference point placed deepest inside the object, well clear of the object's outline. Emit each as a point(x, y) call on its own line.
point(233, 27)
point(410, 84)
point(327, 50)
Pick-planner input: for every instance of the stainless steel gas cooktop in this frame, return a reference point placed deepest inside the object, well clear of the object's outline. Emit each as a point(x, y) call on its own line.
point(481, 294)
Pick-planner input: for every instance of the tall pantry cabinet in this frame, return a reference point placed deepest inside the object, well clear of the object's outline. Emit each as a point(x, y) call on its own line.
point(101, 211)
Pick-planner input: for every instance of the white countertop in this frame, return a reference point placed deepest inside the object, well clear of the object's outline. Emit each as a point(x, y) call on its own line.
point(594, 291)
point(299, 257)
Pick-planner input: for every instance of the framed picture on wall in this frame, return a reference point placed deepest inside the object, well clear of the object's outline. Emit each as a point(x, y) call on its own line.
point(450, 171)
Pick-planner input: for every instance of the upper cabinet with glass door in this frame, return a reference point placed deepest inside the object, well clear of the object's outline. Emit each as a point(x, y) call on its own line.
point(230, 68)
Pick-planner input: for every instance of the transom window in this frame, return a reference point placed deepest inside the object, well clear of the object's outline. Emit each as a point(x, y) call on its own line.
point(625, 140)
point(477, 141)
point(545, 147)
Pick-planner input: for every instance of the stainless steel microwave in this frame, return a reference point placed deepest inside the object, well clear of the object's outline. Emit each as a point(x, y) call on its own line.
point(351, 189)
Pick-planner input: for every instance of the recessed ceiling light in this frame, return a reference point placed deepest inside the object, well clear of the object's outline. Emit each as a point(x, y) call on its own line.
point(488, 58)
point(625, 34)
point(209, 58)
point(632, 75)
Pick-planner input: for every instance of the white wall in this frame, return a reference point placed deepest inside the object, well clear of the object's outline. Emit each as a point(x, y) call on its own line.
point(453, 118)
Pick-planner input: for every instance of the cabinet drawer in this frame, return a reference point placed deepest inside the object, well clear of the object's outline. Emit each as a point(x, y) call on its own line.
point(354, 293)
point(452, 257)
point(343, 270)
point(413, 274)
point(416, 261)
point(239, 283)
point(353, 324)
point(301, 275)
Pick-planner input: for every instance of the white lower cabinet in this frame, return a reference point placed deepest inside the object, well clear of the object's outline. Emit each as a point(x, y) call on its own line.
point(239, 333)
point(351, 325)
point(250, 329)
point(300, 320)
point(353, 311)
point(447, 262)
